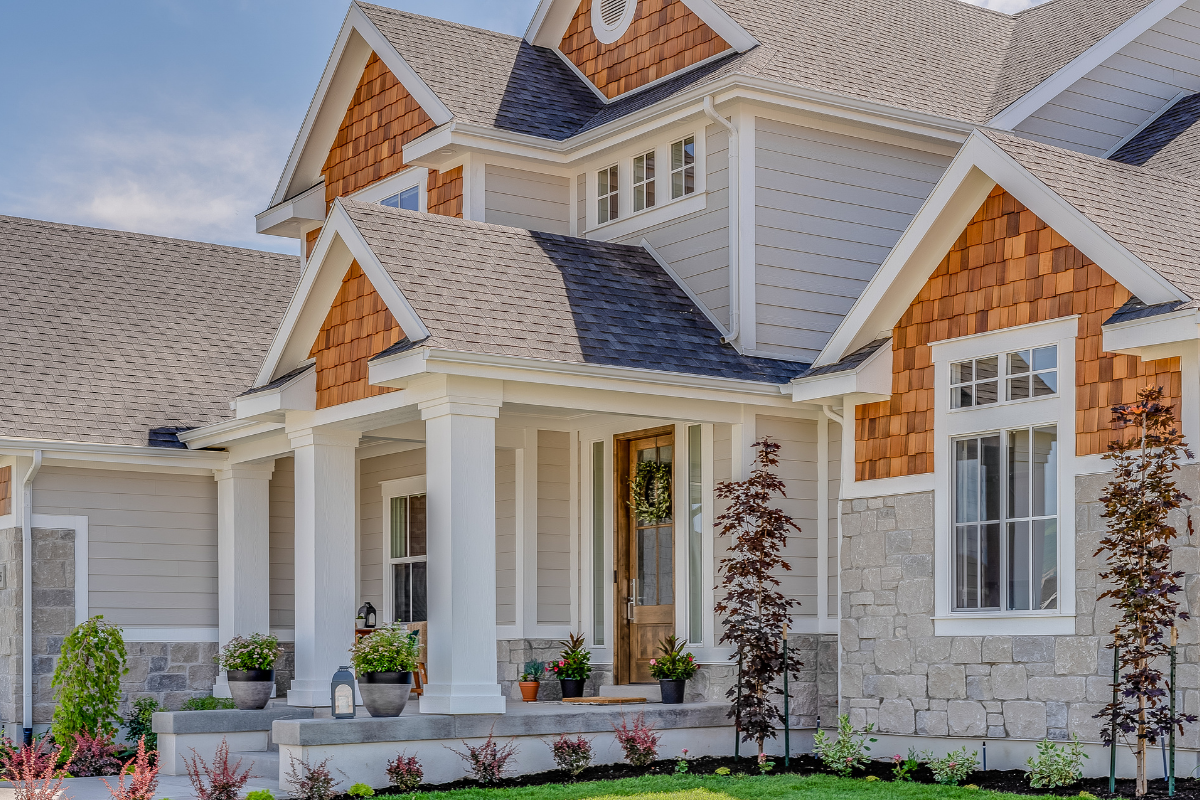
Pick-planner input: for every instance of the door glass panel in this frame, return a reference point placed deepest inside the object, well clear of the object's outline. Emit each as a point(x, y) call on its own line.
point(666, 580)
point(655, 545)
point(399, 525)
point(647, 567)
point(416, 524)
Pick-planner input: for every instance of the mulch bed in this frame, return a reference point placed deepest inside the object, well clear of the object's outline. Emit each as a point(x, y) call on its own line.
point(1012, 780)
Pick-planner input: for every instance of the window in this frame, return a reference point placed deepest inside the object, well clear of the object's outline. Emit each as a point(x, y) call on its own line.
point(408, 558)
point(599, 565)
point(683, 167)
point(1027, 373)
point(1006, 520)
point(409, 200)
point(643, 182)
point(606, 195)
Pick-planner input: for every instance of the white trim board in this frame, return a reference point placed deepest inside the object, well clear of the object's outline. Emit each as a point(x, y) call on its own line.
point(80, 526)
point(138, 633)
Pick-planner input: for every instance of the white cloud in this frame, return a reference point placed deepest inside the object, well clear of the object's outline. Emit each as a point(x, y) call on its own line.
point(177, 181)
point(1006, 6)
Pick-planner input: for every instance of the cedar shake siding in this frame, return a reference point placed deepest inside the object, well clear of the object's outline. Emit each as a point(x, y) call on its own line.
point(664, 37)
point(1006, 269)
point(310, 241)
point(446, 192)
point(357, 327)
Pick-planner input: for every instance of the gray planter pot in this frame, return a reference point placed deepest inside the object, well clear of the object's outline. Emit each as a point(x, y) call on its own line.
point(385, 694)
point(251, 688)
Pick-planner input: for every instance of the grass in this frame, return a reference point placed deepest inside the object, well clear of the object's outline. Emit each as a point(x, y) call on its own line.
point(712, 787)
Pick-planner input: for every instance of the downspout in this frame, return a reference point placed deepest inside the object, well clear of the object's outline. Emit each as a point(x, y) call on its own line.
point(735, 313)
point(27, 598)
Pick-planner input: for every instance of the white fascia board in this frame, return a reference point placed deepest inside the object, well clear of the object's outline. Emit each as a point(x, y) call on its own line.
point(978, 167)
point(1164, 329)
point(870, 380)
point(356, 41)
point(1082, 64)
point(301, 320)
point(552, 17)
point(114, 456)
point(288, 218)
point(397, 371)
point(221, 433)
point(298, 394)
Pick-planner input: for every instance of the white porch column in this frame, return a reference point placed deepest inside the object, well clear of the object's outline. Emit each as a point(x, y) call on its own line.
point(460, 482)
point(325, 513)
point(243, 554)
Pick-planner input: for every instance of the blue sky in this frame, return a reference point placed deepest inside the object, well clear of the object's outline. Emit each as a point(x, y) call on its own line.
point(175, 117)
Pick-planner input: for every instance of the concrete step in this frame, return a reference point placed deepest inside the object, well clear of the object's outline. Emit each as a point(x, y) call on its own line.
point(650, 691)
point(266, 763)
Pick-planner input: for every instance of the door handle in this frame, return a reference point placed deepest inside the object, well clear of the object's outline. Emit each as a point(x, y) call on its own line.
point(629, 613)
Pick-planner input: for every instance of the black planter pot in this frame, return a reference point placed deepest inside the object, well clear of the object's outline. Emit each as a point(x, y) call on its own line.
point(385, 694)
point(672, 691)
point(572, 687)
point(251, 688)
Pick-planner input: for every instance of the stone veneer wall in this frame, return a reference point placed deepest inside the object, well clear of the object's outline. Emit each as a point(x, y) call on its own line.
point(899, 676)
point(815, 692)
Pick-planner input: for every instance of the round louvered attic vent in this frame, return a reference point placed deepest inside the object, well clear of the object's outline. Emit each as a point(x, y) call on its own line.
point(611, 18)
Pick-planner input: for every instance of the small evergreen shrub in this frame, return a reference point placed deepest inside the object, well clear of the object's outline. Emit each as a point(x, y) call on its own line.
point(846, 753)
point(405, 773)
point(952, 768)
point(533, 671)
point(489, 761)
point(639, 741)
point(221, 780)
point(572, 755)
point(87, 682)
point(360, 790)
point(1056, 765)
point(310, 781)
point(138, 724)
point(209, 704)
point(93, 756)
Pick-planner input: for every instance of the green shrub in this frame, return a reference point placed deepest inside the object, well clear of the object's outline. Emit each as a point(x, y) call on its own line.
point(1056, 765)
point(360, 790)
point(952, 768)
point(138, 722)
point(87, 682)
point(848, 752)
point(209, 704)
point(260, 794)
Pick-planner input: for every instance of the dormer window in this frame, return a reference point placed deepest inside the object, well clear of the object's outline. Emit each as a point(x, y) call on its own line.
point(607, 196)
point(683, 167)
point(643, 181)
point(409, 200)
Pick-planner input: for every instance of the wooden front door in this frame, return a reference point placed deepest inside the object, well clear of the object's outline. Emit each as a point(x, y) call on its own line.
point(645, 560)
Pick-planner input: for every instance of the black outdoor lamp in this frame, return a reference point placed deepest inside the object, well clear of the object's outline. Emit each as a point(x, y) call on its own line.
point(341, 694)
point(366, 613)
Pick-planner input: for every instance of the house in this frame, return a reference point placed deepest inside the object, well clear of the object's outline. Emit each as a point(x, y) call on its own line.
point(647, 231)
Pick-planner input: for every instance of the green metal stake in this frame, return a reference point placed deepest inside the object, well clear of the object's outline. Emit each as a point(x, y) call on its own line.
point(1112, 747)
point(787, 721)
point(737, 714)
point(1171, 763)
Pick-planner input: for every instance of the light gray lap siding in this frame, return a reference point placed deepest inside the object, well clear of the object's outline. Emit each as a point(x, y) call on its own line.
point(828, 209)
point(553, 528)
point(524, 199)
point(282, 494)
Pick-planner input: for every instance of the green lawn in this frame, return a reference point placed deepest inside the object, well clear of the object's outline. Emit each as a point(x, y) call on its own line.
point(711, 787)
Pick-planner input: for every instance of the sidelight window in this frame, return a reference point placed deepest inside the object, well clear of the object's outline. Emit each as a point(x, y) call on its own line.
point(1006, 520)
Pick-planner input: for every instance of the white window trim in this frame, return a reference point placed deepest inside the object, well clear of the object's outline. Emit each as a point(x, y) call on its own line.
point(394, 184)
point(665, 209)
point(607, 34)
point(402, 487)
point(1057, 409)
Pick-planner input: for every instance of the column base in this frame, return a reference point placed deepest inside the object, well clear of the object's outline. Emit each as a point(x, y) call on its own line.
point(447, 698)
point(309, 694)
point(221, 687)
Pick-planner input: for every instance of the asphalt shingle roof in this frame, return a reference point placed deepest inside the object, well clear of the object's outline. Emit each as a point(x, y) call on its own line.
point(123, 338)
point(946, 58)
point(1151, 213)
point(1171, 143)
point(850, 362)
point(496, 290)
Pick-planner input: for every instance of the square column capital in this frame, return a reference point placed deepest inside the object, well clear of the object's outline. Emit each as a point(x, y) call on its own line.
point(310, 437)
point(460, 407)
point(252, 472)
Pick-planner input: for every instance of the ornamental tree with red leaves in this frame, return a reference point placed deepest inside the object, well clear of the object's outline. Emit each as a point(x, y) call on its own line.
point(1137, 553)
point(754, 610)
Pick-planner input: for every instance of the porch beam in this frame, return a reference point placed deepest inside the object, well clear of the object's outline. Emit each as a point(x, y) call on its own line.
point(460, 470)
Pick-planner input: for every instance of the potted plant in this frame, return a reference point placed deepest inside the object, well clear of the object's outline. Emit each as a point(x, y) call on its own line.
point(384, 662)
point(531, 677)
point(249, 664)
point(672, 668)
point(573, 666)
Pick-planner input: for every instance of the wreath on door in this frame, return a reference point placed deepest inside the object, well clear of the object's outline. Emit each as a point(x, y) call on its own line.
point(650, 492)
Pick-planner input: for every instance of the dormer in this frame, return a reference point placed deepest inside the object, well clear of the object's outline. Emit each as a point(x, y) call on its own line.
point(621, 46)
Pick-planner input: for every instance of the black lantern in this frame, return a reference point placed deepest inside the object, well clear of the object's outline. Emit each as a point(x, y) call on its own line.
point(341, 694)
point(366, 613)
